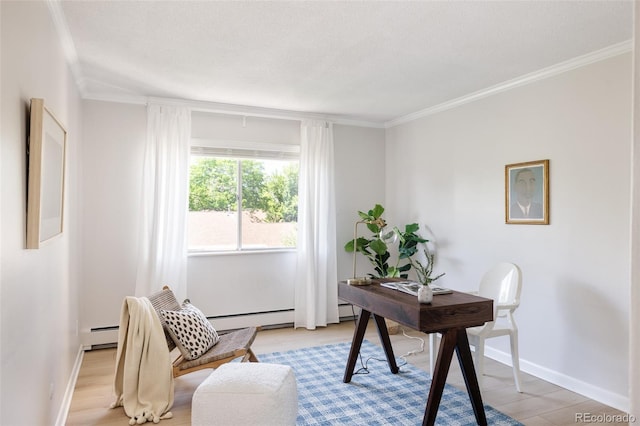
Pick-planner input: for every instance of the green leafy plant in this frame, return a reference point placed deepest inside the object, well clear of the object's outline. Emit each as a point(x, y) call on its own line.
point(424, 271)
point(376, 247)
point(408, 241)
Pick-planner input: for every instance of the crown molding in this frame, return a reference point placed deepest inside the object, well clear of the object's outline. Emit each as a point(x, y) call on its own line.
point(66, 41)
point(562, 67)
point(118, 99)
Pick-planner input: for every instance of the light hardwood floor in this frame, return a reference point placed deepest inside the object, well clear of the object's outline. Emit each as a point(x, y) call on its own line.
point(540, 404)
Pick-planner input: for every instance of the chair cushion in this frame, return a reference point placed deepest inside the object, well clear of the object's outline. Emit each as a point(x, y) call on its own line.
point(191, 331)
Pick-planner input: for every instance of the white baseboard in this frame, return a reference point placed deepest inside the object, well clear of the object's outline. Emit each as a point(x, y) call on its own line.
point(110, 335)
point(266, 319)
point(269, 318)
point(63, 412)
point(620, 402)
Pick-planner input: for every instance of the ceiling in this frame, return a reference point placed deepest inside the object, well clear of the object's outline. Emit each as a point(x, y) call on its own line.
point(361, 60)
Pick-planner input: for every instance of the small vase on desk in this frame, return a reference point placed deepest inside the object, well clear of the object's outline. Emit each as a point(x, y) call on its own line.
point(425, 294)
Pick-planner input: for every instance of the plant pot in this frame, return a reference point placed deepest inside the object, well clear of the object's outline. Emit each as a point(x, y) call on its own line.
point(425, 294)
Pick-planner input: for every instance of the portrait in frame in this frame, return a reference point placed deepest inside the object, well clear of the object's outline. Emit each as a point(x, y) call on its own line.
point(46, 151)
point(527, 193)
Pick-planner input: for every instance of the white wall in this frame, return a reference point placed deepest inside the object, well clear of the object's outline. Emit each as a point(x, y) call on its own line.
point(222, 285)
point(245, 129)
point(114, 139)
point(360, 181)
point(39, 288)
point(446, 171)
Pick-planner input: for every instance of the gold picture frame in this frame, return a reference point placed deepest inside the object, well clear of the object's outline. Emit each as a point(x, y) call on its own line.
point(46, 152)
point(526, 193)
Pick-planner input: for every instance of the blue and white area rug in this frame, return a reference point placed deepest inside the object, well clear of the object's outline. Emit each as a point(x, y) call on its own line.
point(376, 398)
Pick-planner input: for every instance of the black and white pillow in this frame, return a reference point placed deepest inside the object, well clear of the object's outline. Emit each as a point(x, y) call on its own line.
point(191, 331)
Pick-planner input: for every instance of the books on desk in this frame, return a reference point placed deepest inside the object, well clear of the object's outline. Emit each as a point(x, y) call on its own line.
point(411, 287)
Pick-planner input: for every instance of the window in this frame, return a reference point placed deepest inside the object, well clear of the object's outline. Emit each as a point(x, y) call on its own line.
point(242, 199)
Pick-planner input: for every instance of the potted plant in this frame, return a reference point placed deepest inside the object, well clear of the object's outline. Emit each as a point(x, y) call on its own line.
point(376, 248)
point(424, 271)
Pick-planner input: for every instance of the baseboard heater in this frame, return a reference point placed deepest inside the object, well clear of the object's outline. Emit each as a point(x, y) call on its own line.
point(107, 337)
point(245, 314)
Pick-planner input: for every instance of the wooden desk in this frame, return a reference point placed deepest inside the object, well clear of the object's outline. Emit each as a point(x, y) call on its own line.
point(449, 314)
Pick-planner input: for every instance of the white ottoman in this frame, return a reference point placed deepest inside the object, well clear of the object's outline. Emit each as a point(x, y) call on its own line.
point(247, 393)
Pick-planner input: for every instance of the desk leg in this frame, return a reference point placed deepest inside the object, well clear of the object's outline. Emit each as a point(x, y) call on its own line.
point(383, 332)
point(358, 336)
point(454, 339)
point(470, 378)
point(445, 353)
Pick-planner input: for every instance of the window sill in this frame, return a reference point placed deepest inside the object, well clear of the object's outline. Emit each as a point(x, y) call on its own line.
point(203, 253)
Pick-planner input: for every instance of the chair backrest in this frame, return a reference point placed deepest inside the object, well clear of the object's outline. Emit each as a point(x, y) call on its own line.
point(165, 300)
point(503, 284)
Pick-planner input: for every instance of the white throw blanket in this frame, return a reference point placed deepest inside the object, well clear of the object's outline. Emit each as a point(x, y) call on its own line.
point(143, 383)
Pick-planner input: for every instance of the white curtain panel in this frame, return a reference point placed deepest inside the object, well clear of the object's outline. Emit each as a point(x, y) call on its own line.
point(316, 295)
point(162, 250)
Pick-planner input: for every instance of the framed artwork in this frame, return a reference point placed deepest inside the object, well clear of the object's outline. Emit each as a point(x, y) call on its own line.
point(527, 193)
point(46, 151)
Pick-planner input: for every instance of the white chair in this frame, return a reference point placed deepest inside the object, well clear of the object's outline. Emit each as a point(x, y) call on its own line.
point(503, 284)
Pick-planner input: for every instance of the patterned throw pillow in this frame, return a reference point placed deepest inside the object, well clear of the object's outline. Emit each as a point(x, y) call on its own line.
point(190, 330)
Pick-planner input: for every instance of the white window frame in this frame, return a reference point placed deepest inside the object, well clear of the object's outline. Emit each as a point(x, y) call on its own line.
point(242, 150)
